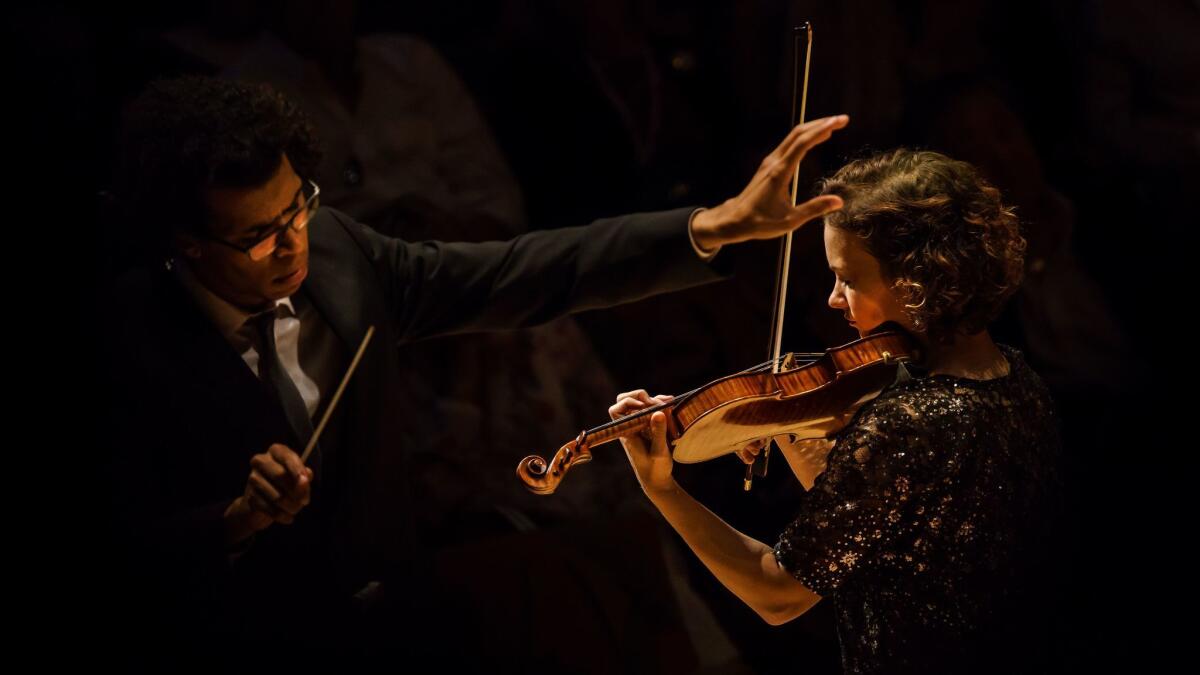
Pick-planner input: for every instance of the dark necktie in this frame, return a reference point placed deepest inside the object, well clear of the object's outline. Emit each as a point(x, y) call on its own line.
point(276, 377)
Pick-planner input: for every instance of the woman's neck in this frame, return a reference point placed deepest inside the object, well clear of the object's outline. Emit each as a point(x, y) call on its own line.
point(974, 357)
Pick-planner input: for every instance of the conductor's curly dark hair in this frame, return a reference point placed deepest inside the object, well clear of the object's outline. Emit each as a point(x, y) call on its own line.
point(951, 249)
point(184, 136)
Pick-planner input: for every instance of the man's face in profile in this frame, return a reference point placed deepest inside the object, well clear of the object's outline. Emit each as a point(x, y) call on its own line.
point(241, 217)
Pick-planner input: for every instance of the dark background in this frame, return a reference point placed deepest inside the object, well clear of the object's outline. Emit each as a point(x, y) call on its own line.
point(1086, 114)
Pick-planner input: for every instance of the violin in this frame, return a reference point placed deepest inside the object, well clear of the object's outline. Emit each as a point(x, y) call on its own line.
point(808, 395)
point(805, 395)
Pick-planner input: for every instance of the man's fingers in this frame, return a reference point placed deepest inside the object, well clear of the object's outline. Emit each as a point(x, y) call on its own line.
point(291, 505)
point(293, 502)
point(815, 208)
point(279, 485)
point(808, 135)
point(779, 166)
point(278, 476)
point(265, 487)
point(795, 135)
point(259, 503)
point(271, 469)
point(290, 460)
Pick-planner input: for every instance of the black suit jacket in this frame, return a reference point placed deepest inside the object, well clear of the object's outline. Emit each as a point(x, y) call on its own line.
point(187, 414)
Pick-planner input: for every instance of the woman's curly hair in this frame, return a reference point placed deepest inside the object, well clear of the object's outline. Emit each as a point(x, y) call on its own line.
point(184, 136)
point(951, 249)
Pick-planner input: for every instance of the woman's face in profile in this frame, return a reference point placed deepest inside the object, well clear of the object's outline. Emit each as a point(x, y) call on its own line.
point(860, 292)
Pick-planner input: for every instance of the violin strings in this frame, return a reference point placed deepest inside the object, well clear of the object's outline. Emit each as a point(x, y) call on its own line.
point(763, 367)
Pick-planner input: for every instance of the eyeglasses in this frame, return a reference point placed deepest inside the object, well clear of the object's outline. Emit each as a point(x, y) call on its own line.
point(267, 244)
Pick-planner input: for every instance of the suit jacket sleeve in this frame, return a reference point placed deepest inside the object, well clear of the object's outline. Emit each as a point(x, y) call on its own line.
point(436, 288)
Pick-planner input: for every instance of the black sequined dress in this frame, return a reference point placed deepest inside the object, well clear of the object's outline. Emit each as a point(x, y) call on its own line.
point(932, 528)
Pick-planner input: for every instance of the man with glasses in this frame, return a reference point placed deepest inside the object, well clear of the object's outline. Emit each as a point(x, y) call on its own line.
point(265, 236)
point(228, 344)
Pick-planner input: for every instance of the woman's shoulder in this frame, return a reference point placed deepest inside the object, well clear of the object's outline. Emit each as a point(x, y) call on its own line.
point(917, 399)
point(917, 403)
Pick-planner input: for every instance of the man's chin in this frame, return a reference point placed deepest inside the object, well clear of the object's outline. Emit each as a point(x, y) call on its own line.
point(289, 283)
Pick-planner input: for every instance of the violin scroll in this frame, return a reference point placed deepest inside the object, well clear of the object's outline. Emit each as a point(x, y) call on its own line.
point(542, 478)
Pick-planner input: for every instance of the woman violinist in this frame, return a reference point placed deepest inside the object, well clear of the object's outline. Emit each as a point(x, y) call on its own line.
point(927, 521)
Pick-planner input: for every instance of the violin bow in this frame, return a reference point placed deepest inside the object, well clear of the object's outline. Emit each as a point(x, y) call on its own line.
point(801, 42)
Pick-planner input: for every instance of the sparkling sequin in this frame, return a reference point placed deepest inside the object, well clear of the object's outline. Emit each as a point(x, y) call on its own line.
point(917, 525)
